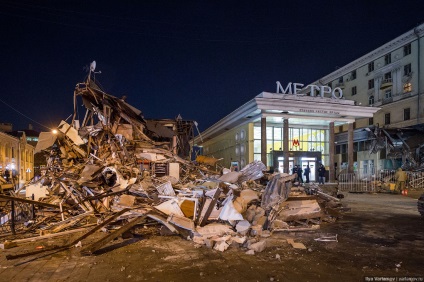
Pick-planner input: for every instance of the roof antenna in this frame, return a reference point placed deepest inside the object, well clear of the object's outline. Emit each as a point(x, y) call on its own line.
point(92, 70)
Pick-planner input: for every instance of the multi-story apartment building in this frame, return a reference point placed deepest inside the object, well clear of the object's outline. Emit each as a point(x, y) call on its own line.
point(389, 77)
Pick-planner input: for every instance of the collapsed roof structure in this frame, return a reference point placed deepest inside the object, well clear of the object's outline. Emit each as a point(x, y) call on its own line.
point(405, 144)
point(116, 166)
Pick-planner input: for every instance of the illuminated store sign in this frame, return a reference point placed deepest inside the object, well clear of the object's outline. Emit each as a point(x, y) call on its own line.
point(295, 88)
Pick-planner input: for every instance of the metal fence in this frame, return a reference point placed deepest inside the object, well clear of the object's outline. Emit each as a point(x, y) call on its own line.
point(22, 212)
point(377, 180)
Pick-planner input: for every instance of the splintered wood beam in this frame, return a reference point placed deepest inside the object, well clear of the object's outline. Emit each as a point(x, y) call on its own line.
point(90, 249)
point(209, 208)
point(65, 247)
point(100, 226)
point(28, 201)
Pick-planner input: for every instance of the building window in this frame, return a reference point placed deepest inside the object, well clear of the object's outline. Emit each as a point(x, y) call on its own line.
point(407, 114)
point(354, 90)
point(407, 49)
point(353, 75)
point(407, 87)
point(371, 67)
point(388, 77)
point(341, 79)
point(344, 149)
point(387, 118)
point(371, 100)
point(371, 84)
point(371, 121)
point(338, 149)
point(388, 94)
point(387, 59)
point(407, 69)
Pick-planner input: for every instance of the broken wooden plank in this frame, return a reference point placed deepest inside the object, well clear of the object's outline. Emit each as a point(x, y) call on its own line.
point(296, 229)
point(65, 247)
point(100, 226)
point(48, 236)
point(163, 221)
point(77, 200)
point(59, 226)
point(204, 217)
point(28, 201)
point(97, 245)
point(327, 197)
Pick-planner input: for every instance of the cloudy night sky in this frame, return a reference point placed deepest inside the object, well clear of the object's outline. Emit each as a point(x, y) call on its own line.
point(200, 59)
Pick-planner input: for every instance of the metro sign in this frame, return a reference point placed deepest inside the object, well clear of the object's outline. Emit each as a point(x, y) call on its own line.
point(294, 88)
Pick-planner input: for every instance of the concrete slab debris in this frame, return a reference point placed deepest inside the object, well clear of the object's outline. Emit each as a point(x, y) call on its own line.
point(258, 247)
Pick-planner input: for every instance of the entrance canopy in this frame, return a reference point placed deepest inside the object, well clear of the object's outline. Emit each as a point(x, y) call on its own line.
point(297, 108)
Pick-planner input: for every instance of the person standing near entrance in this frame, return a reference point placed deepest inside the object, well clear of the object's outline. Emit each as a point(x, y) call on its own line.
point(299, 174)
point(295, 172)
point(321, 174)
point(306, 173)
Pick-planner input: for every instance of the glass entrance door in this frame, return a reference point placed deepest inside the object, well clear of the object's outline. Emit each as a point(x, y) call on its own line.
point(281, 164)
point(311, 162)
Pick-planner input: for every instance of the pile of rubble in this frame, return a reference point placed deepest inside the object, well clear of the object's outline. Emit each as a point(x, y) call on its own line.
point(116, 171)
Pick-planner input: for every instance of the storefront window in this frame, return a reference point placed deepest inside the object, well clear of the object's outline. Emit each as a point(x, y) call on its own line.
point(257, 132)
point(278, 133)
point(300, 139)
point(269, 133)
point(257, 146)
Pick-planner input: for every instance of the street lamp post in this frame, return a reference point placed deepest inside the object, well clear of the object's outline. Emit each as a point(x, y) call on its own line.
point(19, 158)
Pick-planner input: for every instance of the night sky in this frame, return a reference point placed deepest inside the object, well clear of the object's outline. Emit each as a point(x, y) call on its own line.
point(200, 59)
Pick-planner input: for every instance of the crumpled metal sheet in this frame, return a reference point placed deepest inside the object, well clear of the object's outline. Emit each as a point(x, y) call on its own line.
point(277, 190)
point(252, 171)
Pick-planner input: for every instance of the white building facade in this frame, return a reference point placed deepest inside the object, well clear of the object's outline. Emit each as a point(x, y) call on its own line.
point(390, 77)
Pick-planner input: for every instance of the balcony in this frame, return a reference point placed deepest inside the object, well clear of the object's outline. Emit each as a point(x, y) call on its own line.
point(386, 83)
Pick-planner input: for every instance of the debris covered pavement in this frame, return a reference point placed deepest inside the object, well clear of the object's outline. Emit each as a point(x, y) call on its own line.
point(117, 171)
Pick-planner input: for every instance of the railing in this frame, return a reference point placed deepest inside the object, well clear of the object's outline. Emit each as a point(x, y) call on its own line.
point(22, 213)
point(387, 80)
point(371, 180)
